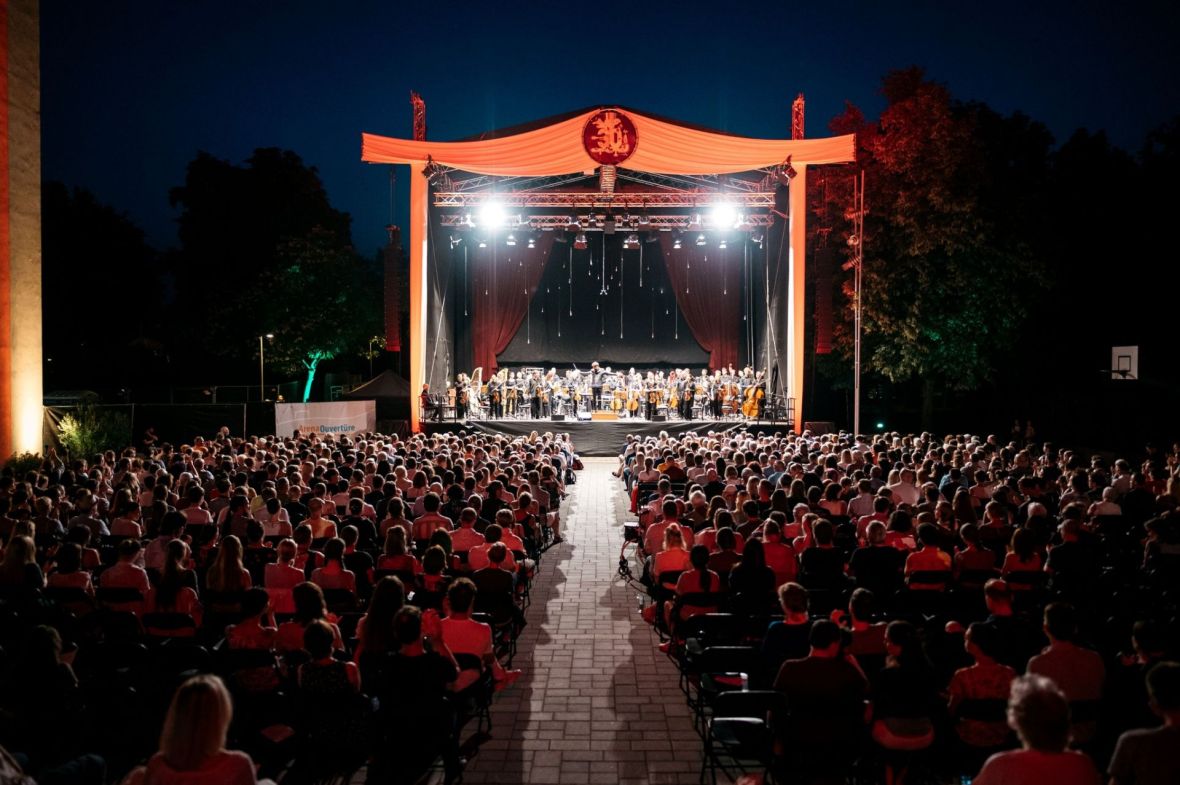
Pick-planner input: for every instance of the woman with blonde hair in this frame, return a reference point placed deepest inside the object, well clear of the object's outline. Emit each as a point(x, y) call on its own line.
point(192, 743)
point(227, 574)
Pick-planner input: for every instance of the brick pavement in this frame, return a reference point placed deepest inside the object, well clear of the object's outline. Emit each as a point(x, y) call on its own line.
point(598, 703)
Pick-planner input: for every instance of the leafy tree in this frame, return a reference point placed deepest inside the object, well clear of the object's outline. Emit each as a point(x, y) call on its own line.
point(339, 305)
point(949, 272)
point(263, 251)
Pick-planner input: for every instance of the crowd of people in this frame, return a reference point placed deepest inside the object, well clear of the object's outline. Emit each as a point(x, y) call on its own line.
point(925, 608)
point(298, 607)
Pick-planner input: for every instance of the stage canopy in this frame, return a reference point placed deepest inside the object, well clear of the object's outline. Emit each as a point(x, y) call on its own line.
point(611, 141)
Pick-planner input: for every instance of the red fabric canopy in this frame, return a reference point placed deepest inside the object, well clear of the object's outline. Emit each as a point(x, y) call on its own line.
point(662, 147)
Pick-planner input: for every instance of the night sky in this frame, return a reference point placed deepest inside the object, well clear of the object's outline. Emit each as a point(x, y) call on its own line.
point(131, 91)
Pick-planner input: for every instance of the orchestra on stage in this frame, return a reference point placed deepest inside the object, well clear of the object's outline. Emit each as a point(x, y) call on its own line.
point(533, 393)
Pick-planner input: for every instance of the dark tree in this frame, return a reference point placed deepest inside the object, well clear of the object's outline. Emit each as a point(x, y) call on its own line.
point(263, 251)
point(102, 294)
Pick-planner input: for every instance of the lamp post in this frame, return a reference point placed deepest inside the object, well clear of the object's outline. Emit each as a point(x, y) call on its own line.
point(372, 354)
point(262, 364)
point(857, 261)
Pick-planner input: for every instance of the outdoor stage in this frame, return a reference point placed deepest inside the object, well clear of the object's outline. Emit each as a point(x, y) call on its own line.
point(601, 437)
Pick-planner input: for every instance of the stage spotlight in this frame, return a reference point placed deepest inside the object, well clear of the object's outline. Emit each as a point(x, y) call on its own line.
point(721, 244)
point(694, 222)
point(723, 215)
point(483, 243)
point(532, 243)
point(572, 223)
point(580, 242)
point(757, 239)
point(644, 218)
point(584, 221)
point(511, 239)
point(492, 215)
point(632, 242)
point(700, 239)
point(676, 244)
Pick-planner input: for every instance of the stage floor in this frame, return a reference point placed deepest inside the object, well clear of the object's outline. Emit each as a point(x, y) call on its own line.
point(600, 437)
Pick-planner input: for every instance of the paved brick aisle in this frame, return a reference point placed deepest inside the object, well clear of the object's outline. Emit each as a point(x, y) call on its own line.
point(597, 703)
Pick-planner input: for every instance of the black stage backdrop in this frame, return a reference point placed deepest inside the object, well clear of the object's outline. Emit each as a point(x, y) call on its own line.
point(571, 321)
point(630, 319)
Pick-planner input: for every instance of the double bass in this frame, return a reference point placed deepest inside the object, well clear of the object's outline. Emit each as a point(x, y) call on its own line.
point(753, 403)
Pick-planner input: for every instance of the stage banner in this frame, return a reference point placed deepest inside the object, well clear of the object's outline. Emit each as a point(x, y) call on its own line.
point(339, 418)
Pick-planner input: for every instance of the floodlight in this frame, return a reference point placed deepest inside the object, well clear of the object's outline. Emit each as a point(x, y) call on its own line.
point(723, 215)
point(492, 215)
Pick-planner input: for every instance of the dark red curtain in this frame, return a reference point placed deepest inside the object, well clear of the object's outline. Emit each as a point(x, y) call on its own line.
point(504, 279)
point(708, 285)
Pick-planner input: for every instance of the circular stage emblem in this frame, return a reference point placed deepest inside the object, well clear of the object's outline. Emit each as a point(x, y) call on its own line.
point(609, 137)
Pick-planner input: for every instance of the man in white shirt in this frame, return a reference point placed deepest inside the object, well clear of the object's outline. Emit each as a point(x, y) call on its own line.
point(466, 537)
point(904, 491)
point(862, 504)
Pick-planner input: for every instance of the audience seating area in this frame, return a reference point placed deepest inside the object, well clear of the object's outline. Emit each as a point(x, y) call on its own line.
point(864, 609)
point(359, 599)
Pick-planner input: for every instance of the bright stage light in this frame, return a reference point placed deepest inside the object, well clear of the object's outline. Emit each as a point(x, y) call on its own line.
point(632, 242)
point(721, 244)
point(723, 215)
point(483, 243)
point(700, 239)
point(511, 239)
point(532, 243)
point(676, 244)
point(492, 215)
point(580, 242)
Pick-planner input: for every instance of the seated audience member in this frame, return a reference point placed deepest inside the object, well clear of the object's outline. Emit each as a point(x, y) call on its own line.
point(126, 573)
point(787, 639)
point(987, 679)
point(478, 556)
point(374, 632)
point(971, 557)
point(396, 556)
point(725, 555)
point(334, 575)
point(822, 564)
point(780, 556)
point(751, 582)
point(19, 568)
point(877, 566)
point(868, 636)
point(466, 537)
point(281, 576)
point(700, 580)
point(308, 601)
point(176, 591)
point(420, 674)
point(192, 743)
point(673, 558)
point(68, 572)
point(1039, 713)
point(1148, 756)
point(1018, 637)
point(928, 557)
point(905, 695)
point(1078, 672)
point(826, 694)
point(228, 574)
point(464, 635)
point(171, 528)
point(324, 676)
point(256, 630)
